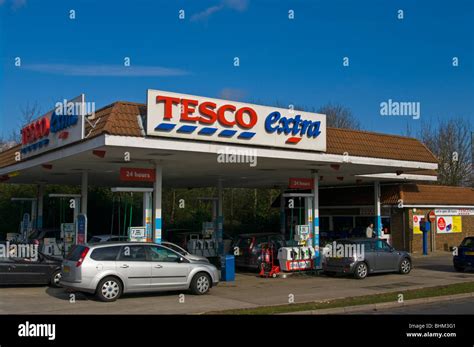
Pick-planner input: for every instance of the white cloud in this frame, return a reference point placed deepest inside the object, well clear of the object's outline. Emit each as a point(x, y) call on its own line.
point(14, 4)
point(232, 94)
point(203, 15)
point(105, 70)
point(236, 5)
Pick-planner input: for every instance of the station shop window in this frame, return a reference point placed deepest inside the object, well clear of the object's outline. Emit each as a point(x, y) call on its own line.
point(343, 224)
point(363, 221)
point(324, 224)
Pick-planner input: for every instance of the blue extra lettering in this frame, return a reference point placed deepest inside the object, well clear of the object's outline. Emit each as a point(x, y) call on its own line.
point(294, 126)
point(61, 122)
point(272, 118)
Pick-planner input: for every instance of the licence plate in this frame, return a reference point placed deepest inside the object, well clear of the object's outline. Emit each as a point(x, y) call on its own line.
point(66, 269)
point(469, 253)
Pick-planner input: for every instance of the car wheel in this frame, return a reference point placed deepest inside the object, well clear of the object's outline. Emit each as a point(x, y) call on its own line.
point(109, 289)
point(200, 284)
point(55, 278)
point(361, 271)
point(458, 268)
point(405, 266)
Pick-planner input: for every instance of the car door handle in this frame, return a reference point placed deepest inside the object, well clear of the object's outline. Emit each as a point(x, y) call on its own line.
point(158, 266)
point(124, 266)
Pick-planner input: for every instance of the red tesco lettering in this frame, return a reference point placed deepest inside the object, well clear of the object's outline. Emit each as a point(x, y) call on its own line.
point(208, 112)
point(35, 131)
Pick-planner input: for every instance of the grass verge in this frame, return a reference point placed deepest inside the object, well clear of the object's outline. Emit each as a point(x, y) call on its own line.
point(451, 289)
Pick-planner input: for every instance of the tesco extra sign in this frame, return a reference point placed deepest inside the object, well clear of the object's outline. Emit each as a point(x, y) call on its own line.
point(198, 118)
point(60, 126)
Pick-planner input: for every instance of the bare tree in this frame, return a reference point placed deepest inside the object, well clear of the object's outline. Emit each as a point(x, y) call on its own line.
point(450, 141)
point(28, 112)
point(338, 116)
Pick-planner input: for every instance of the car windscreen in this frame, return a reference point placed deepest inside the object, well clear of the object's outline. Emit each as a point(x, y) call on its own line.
point(75, 253)
point(105, 253)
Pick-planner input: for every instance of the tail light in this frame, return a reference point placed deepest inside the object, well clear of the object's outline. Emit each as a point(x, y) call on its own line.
point(83, 255)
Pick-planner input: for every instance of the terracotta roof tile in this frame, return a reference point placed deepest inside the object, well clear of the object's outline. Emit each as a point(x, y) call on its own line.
point(420, 194)
point(376, 145)
point(120, 118)
point(411, 194)
point(7, 157)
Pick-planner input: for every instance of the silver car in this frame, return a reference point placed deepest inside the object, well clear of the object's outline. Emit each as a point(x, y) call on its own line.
point(111, 269)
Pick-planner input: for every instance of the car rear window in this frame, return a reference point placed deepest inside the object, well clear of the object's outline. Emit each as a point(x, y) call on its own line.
point(75, 253)
point(105, 253)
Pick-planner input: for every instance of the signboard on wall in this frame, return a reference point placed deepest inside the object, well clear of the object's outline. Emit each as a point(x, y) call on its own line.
point(448, 224)
point(133, 174)
point(199, 118)
point(416, 223)
point(61, 126)
point(455, 212)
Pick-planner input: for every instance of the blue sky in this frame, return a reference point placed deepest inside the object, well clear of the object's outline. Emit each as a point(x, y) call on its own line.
point(287, 61)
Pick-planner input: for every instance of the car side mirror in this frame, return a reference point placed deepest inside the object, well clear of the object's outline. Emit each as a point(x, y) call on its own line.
point(180, 260)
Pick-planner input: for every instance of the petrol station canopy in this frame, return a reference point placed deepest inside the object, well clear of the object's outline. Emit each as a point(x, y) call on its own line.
point(341, 157)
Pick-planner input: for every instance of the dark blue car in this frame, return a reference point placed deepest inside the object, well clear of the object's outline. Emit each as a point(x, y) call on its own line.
point(464, 257)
